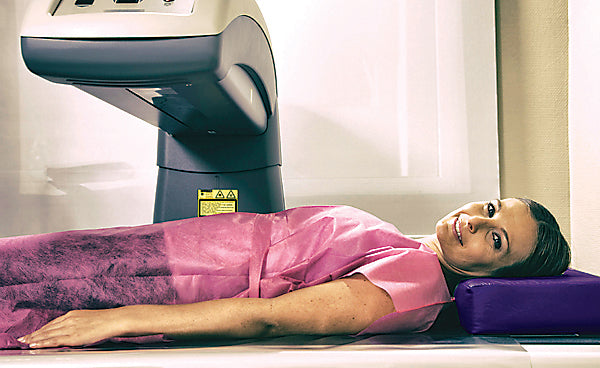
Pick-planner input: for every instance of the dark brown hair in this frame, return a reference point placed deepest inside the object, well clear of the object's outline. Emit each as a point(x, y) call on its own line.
point(551, 255)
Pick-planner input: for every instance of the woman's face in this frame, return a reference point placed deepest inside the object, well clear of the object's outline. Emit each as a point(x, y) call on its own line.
point(482, 237)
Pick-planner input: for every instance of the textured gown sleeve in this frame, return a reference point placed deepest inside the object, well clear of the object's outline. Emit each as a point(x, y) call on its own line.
point(414, 280)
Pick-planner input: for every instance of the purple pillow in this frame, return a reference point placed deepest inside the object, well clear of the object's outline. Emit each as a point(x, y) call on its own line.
point(566, 304)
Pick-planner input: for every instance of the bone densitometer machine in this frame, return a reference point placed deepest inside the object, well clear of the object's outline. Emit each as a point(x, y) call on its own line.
point(203, 72)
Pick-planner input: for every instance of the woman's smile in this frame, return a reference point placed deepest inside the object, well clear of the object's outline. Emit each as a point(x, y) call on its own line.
point(457, 231)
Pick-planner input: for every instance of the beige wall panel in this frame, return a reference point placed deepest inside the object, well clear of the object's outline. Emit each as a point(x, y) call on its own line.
point(533, 102)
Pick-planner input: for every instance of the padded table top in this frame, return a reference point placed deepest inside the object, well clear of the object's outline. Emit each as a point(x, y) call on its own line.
point(418, 350)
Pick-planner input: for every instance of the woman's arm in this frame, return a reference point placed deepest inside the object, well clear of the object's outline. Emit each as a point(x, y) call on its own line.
point(344, 306)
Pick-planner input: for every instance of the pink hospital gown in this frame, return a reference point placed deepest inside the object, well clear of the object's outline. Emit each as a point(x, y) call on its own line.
point(214, 257)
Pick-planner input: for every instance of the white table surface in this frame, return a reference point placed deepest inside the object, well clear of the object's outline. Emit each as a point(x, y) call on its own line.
point(335, 352)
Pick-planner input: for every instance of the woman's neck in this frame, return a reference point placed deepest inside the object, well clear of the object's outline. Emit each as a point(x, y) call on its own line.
point(452, 277)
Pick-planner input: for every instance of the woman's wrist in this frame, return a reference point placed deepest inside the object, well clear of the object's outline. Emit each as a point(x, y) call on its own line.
point(130, 321)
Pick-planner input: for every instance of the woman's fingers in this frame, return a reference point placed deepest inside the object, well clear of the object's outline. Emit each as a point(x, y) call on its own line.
point(53, 330)
point(44, 329)
point(49, 341)
point(73, 329)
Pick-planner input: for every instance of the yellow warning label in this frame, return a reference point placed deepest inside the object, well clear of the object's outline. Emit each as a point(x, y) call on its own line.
point(216, 201)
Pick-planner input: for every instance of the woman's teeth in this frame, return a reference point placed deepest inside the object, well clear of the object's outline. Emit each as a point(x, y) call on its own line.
point(457, 228)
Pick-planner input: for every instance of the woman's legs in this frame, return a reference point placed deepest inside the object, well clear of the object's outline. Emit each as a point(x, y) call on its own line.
point(43, 276)
point(118, 252)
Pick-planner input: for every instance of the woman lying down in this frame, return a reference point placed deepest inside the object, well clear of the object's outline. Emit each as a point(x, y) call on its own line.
point(308, 270)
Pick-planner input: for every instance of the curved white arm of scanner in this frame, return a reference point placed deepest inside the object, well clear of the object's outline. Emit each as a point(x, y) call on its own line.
point(204, 65)
point(159, 18)
point(201, 70)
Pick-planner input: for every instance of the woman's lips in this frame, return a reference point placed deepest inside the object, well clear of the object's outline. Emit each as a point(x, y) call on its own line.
point(456, 230)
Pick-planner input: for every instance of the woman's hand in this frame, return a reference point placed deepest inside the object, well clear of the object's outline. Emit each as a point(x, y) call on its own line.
point(76, 328)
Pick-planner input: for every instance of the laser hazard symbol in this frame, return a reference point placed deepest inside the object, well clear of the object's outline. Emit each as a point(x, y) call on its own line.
point(216, 201)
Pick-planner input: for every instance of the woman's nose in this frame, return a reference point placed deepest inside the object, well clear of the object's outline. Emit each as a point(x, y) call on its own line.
point(475, 223)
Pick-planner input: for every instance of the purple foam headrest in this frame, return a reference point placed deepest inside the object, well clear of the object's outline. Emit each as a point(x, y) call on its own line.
point(566, 304)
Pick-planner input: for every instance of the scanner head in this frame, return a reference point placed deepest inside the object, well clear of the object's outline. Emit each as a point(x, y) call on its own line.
point(186, 66)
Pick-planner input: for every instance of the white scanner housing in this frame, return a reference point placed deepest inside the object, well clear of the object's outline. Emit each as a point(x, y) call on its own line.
point(200, 70)
point(144, 18)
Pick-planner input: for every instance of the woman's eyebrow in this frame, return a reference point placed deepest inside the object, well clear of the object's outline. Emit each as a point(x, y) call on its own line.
point(503, 229)
point(507, 241)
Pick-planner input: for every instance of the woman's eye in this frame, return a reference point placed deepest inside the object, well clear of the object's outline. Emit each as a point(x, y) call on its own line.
point(497, 241)
point(491, 209)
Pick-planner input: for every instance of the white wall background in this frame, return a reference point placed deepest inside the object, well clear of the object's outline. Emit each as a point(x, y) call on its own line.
point(390, 108)
point(584, 132)
point(80, 162)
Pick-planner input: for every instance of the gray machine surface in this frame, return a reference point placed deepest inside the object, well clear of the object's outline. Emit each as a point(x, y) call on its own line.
point(201, 71)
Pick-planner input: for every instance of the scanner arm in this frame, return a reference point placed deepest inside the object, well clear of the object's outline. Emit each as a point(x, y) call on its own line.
point(213, 96)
